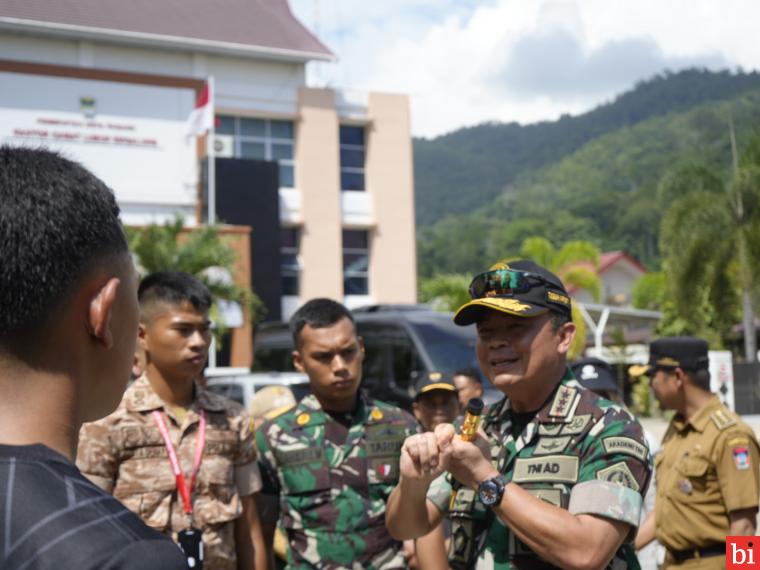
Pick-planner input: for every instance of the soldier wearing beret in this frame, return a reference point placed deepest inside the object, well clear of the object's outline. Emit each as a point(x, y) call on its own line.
point(333, 459)
point(557, 475)
point(707, 471)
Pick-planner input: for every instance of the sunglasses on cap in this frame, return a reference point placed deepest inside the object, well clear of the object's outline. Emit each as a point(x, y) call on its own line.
point(504, 283)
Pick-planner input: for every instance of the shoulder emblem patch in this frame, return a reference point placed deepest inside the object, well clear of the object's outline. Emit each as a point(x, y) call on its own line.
point(626, 445)
point(563, 402)
point(303, 419)
point(619, 473)
point(548, 445)
point(741, 458)
point(376, 414)
point(576, 425)
point(721, 419)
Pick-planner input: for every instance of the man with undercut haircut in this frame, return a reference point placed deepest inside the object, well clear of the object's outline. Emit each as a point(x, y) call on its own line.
point(707, 471)
point(68, 320)
point(181, 457)
point(333, 458)
point(557, 475)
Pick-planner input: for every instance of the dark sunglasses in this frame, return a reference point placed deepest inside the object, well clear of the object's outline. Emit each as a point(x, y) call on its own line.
point(504, 283)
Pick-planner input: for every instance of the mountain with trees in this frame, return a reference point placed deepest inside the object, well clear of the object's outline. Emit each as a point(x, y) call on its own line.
point(605, 189)
point(466, 169)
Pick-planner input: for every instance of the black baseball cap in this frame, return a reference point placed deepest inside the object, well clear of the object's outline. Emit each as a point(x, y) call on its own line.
point(432, 381)
point(686, 352)
point(521, 288)
point(595, 374)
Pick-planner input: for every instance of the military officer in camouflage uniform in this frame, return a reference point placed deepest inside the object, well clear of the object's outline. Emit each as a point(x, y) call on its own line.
point(126, 454)
point(333, 459)
point(707, 471)
point(557, 475)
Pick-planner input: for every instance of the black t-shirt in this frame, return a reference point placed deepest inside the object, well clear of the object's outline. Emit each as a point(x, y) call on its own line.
point(52, 517)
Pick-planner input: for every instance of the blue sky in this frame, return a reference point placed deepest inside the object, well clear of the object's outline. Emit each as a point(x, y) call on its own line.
point(468, 61)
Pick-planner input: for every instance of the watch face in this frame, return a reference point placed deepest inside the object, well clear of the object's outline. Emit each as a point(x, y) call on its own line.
point(489, 493)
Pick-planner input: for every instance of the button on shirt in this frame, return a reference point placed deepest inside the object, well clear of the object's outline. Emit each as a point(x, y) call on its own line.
point(125, 454)
point(707, 468)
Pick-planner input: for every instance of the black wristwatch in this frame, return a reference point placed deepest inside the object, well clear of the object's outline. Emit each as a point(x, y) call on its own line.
point(491, 491)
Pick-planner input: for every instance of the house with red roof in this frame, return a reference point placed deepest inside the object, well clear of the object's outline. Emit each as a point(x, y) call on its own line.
point(618, 272)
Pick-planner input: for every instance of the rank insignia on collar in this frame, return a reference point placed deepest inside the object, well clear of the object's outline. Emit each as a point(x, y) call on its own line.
point(303, 419)
point(563, 402)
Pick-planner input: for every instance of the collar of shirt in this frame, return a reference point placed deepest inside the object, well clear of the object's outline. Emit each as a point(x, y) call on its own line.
point(310, 412)
point(140, 397)
point(699, 420)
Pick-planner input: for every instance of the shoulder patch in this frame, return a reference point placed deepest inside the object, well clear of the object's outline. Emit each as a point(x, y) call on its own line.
point(626, 445)
point(618, 473)
point(576, 425)
point(721, 419)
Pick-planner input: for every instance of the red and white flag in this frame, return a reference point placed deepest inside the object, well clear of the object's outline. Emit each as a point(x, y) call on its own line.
point(201, 119)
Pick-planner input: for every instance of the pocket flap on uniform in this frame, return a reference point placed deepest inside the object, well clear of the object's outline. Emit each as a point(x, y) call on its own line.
point(693, 466)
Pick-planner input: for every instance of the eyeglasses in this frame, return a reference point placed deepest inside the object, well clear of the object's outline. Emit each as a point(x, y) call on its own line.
point(504, 283)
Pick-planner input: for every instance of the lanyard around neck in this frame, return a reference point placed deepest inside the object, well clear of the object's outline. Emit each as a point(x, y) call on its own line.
point(200, 443)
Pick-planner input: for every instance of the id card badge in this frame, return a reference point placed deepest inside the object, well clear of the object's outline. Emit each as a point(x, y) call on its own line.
point(191, 544)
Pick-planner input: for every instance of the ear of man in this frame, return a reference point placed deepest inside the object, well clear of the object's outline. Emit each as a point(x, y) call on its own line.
point(100, 311)
point(565, 336)
point(298, 361)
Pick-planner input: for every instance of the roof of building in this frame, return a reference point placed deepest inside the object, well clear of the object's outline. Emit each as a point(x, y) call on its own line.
point(610, 258)
point(253, 27)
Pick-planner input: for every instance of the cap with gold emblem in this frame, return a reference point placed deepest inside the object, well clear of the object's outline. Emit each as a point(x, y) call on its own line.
point(521, 288)
point(685, 352)
point(431, 381)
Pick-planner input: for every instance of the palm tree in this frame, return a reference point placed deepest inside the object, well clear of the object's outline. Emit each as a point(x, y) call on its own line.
point(445, 292)
point(576, 263)
point(710, 237)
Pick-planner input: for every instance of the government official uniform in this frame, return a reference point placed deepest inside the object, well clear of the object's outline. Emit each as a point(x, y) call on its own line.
point(125, 454)
point(708, 467)
point(333, 482)
point(579, 452)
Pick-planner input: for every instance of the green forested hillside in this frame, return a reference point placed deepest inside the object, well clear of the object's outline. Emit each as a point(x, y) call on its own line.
point(604, 191)
point(465, 170)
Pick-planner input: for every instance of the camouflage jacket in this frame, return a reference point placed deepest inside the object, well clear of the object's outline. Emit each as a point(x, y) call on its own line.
point(125, 454)
point(333, 495)
point(580, 452)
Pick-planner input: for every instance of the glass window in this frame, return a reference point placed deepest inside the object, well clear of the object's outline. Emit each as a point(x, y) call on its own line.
point(262, 139)
point(290, 266)
point(352, 158)
point(355, 262)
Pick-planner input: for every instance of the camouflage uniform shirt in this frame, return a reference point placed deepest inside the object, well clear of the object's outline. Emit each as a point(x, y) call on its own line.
point(580, 452)
point(125, 454)
point(334, 481)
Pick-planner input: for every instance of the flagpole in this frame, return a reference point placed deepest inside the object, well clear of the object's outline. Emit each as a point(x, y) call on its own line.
point(210, 156)
point(211, 159)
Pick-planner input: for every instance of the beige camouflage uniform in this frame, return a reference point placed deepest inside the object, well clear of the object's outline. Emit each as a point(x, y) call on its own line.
point(125, 454)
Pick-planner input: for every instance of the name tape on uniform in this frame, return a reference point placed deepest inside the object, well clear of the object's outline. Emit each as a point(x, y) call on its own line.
point(556, 468)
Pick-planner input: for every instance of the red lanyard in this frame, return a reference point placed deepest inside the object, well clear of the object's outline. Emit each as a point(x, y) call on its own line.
point(200, 443)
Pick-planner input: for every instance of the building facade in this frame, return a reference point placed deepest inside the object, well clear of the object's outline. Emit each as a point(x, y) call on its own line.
point(112, 84)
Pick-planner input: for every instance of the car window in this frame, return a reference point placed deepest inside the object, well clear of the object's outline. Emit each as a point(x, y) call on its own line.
point(231, 391)
point(449, 347)
point(273, 359)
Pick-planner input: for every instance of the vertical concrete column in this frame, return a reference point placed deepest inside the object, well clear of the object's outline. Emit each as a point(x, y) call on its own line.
point(318, 180)
point(390, 180)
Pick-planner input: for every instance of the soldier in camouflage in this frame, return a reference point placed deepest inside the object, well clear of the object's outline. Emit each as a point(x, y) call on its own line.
point(126, 455)
point(333, 459)
point(557, 475)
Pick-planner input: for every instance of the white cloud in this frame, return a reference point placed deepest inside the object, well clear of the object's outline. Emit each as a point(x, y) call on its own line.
point(521, 60)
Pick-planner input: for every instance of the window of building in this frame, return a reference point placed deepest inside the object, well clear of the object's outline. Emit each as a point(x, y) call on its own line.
point(290, 267)
point(355, 262)
point(351, 158)
point(262, 139)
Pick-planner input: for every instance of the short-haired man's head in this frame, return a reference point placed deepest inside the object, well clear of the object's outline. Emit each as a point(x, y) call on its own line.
point(172, 288)
point(57, 222)
point(317, 313)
